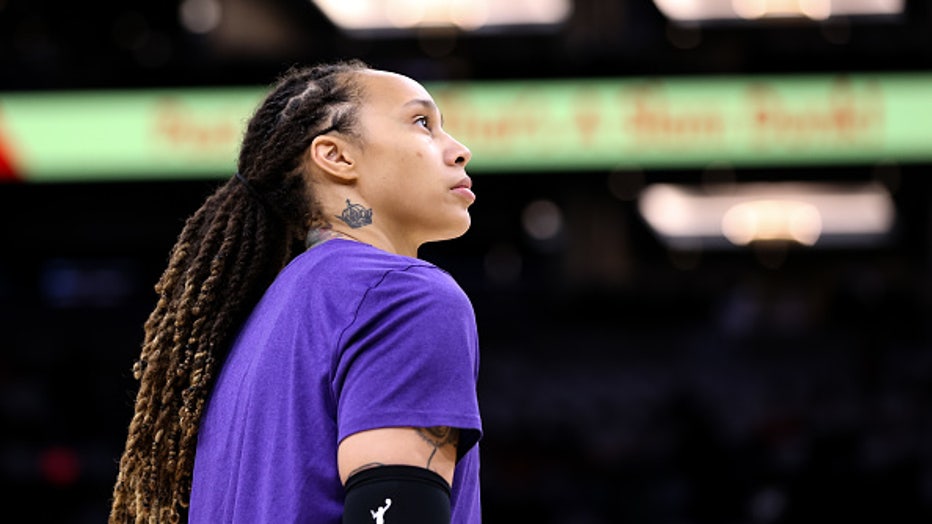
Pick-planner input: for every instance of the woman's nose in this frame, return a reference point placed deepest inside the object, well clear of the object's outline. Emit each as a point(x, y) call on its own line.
point(458, 154)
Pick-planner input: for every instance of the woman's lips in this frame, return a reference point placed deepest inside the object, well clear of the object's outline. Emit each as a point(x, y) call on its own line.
point(464, 188)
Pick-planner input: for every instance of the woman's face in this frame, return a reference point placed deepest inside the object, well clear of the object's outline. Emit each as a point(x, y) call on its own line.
point(411, 172)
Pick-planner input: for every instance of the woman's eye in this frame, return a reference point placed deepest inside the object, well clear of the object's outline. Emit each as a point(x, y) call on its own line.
point(423, 121)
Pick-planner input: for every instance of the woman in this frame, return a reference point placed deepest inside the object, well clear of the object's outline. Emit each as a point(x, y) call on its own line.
point(301, 364)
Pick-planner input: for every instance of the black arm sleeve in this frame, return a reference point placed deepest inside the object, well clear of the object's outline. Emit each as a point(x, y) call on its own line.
point(396, 495)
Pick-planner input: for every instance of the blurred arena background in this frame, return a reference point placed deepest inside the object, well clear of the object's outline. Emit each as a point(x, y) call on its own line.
point(775, 368)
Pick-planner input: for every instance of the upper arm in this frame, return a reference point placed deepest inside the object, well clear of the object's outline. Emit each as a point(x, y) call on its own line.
point(405, 377)
point(432, 448)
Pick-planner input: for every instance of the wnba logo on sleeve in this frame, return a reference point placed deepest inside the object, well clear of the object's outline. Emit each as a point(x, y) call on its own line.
point(379, 514)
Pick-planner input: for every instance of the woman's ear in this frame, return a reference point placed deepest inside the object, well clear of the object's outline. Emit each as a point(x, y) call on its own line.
point(333, 156)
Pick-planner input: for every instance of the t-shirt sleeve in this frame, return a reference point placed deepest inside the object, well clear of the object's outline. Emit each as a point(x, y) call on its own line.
point(410, 357)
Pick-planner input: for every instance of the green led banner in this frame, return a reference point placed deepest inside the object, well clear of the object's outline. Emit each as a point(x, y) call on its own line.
point(524, 126)
point(123, 134)
point(686, 123)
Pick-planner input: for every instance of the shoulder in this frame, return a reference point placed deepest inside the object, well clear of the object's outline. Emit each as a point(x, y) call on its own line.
point(351, 258)
point(349, 267)
point(342, 269)
point(414, 284)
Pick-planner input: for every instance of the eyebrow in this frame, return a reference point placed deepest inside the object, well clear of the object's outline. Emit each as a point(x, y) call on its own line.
point(429, 105)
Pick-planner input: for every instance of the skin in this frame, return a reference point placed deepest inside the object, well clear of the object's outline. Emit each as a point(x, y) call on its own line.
point(405, 168)
point(412, 175)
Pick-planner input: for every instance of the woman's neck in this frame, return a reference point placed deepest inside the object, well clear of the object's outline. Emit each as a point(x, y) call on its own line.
point(319, 235)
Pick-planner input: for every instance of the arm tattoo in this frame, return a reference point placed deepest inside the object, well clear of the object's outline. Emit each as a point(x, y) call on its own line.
point(364, 467)
point(438, 437)
point(355, 215)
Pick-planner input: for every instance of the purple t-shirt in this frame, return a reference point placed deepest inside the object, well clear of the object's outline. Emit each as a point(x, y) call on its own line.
point(348, 338)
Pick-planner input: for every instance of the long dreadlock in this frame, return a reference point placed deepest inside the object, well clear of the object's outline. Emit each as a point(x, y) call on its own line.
point(226, 256)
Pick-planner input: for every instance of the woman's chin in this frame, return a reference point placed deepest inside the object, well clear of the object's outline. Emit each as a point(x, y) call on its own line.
point(454, 231)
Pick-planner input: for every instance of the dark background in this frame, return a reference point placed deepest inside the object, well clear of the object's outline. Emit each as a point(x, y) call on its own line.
point(621, 381)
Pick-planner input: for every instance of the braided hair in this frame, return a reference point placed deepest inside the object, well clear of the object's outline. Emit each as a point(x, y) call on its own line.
point(226, 256)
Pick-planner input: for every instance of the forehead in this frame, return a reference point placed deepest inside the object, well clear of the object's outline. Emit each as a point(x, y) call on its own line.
point(390, 91)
